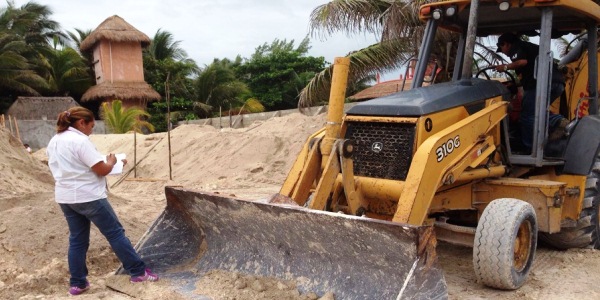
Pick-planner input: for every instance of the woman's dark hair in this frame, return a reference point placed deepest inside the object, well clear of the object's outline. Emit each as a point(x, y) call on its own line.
point(72, 115)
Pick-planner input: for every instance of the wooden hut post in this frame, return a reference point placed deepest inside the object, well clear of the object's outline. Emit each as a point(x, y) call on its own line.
point(2, 121)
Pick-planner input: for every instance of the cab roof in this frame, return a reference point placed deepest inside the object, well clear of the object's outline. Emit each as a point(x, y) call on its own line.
point(570, 16)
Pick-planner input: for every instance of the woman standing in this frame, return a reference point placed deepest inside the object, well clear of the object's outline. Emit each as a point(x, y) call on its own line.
point(79, 171)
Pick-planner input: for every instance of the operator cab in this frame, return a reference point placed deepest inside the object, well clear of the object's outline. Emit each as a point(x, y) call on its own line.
point(546, 19)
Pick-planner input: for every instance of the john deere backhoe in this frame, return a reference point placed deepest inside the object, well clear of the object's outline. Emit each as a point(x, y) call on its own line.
point(368, 195)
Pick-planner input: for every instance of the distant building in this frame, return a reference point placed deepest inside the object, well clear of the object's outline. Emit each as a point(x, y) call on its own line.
point(381, 89)
point(40, 108)
point(118, 65)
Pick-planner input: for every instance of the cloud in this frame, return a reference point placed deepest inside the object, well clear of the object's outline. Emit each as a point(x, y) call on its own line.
point(210, 29)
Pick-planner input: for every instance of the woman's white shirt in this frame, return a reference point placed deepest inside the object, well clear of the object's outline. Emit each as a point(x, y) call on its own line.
point(71, 156)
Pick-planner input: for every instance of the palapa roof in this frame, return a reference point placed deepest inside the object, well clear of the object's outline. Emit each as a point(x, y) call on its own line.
point(39, 108)
point(381, 89)
point(136, 90)
point(114, 29)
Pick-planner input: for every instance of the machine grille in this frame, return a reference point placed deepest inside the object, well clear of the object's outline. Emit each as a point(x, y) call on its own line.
point(382, 150)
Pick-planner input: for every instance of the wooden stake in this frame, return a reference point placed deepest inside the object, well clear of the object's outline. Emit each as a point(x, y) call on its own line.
point(134, 153)
point(2, 121)
point(10, 124)
point(17, 129)
point(124, 175)
point(169, 123)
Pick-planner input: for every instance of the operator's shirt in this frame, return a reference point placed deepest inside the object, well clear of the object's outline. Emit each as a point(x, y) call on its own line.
point(527, 51)
point(71, 156)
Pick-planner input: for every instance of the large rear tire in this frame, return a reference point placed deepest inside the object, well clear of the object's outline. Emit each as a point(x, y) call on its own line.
point(505, 243)
point(587, 231)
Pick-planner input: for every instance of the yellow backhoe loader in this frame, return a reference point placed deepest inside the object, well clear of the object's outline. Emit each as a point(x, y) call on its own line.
point(369, 195)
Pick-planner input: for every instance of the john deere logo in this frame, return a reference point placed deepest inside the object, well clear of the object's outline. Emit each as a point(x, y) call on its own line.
point(377, 147)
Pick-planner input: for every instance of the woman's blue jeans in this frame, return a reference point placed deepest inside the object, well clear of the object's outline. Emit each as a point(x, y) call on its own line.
point(103, 216)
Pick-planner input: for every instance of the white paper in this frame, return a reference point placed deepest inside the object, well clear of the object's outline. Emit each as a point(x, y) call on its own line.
point(118, 167)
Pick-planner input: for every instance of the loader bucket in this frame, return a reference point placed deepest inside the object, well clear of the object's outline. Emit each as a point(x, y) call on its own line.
point(353, 257)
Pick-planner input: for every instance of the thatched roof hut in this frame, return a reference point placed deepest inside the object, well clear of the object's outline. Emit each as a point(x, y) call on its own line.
point(40, 108)
point(118, 64)
point(114, 29)
point(125, 91)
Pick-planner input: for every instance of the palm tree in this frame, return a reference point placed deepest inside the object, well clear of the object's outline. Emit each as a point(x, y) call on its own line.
point(77, 38)
point(164, 58)
point(25, 33)
point(395, 22)
point(164, 47)
point(32, 23)
point(400, 31)
point(16, 73)
point(218, 86)
point(121, 120)
point(68, 73)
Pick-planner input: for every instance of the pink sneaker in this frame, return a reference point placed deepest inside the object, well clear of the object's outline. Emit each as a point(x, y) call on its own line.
point(75, 290)
point(148, 276)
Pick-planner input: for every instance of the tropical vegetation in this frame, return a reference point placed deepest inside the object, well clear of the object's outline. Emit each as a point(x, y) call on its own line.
point(277, 72)
point(38, 58)
point(119, 119)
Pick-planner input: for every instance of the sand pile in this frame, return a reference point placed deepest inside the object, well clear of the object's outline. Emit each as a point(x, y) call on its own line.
point(20, 172)
point(34, 236)
point(250, 163)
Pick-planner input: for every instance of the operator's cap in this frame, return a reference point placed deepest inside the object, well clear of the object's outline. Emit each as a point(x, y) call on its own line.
point(506, 37)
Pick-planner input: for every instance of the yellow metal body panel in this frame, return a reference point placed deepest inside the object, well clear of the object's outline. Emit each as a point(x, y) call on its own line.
point(305, 181)
point(457, 198)
point(299, 165)
point(439, 121)
point(576, 88)
point(440, 153)
point(545, 196)
point(476, 156)
point(573, 199)
point(325, 185)
point(354, 196)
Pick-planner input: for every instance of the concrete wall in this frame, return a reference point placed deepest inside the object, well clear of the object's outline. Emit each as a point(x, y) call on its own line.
point(38, 133)
point(242, 121)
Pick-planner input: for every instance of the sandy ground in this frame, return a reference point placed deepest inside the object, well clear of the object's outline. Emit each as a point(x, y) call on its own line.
point(250, 163)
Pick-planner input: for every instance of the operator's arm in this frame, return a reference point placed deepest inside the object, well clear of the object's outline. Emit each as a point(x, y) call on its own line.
point(512, 66)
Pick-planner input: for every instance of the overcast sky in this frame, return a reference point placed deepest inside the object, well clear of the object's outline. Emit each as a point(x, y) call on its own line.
point(211, 29)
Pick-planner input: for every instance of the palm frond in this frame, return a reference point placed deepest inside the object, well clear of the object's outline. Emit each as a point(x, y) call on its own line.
point(381, 57)
point(389, 19)
point(347, 15)
point(122, 120)
point(254, 106)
